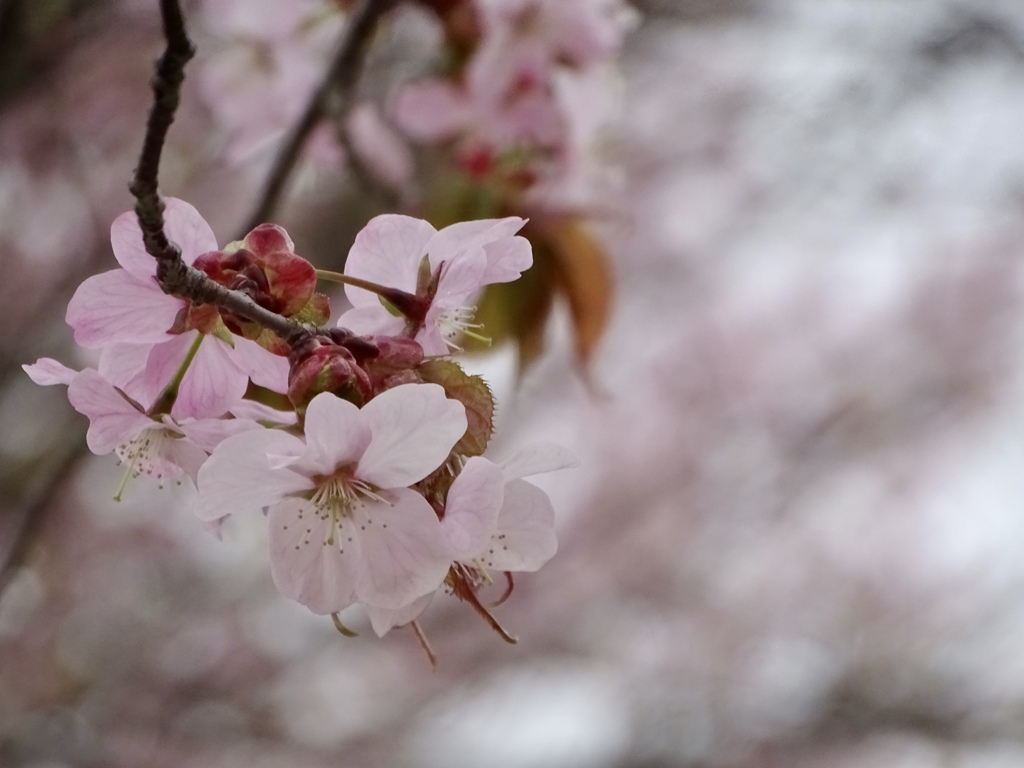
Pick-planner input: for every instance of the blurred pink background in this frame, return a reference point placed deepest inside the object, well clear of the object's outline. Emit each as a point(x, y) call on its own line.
point(797, 535)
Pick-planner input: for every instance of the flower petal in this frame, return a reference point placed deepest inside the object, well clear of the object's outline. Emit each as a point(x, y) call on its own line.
point(212, 384)
point(116, 307)
point(124, 366)
point(431, 110)
point(371, 320)
point(507, 259)
point(237, 478)
point(112, 419)
point(536, 459)
point(183, 225)
point(471, 512)
point(336, 433)
point(525, 538)
point(461, 277)
point(383, 620)
point(470, 235)
point(304, 566)
point(261, 365)
point(387, 251)
point(403, 553)
point(46, 371)
point(414, 427)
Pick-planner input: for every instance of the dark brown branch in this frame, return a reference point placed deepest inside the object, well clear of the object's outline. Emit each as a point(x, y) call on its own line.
point(170, 73)
point(334, 94)
point(175, 277)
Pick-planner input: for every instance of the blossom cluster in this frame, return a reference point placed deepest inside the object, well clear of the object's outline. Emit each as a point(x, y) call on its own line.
point(363, 443)
point(520, 110)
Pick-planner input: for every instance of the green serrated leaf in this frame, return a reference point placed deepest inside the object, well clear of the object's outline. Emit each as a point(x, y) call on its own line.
point(474, 394)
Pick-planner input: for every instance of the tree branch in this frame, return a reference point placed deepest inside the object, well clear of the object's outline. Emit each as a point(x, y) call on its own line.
point(335, 92)
point(174, 276)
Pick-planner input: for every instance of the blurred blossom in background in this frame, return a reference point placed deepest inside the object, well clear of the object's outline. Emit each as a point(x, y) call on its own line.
point(796, 538)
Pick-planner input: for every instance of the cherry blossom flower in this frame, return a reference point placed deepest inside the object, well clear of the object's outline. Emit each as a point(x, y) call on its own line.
point(344, 525)
point(156, 446)
point(125, 312)
point(268, 61)
point(465, 257)
point(493, 521)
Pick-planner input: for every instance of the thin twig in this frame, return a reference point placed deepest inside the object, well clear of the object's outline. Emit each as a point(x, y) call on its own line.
point(32, 512)
point(336, 92)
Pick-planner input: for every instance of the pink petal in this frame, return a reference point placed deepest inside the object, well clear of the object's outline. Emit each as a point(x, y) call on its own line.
point(116, 307)
point(507, 259)
point(46, 371)
point(387, 251)
point(381, 149)
point(525, 538)
point(384, 620)
point(431, 110)
point(237, 477)
point(180, 455)
point(461, 277)
point(209, 433)
point(183, 226)
point(336, 433)
point(403, 553)
point(304, 566)
point(262, 366)
point(432, 339)
point(124, 366)
point(414, 427)
point(212, 384)
point(470, 235)
point(536, 459)
point(471, 511)
point(372, 320)
point(163, 361)
point(112, 419)
point(253, 411)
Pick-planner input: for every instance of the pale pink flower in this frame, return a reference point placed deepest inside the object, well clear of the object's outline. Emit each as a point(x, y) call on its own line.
point(125, 312)
point(493, 521)
point(469, 255)
point(537, 34)
point(344, 525)
point(269, 57)
point(157, 446)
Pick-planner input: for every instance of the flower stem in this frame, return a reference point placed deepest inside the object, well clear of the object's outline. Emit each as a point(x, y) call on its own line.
point(355, 282)
point(165, 402)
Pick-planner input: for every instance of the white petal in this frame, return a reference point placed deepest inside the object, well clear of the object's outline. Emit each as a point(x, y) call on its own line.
point(384, 620)
point(471, 511)
point(305, 565)
point(525, 538)
point(46, 371)
point(402, 550)
point(387, 251)
point(414, 427)
point(372, 319)
point(112, 419)
point(262, 366)
point(238, 478)
point(114, 307)
point(336, 433)
point(536, 459)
